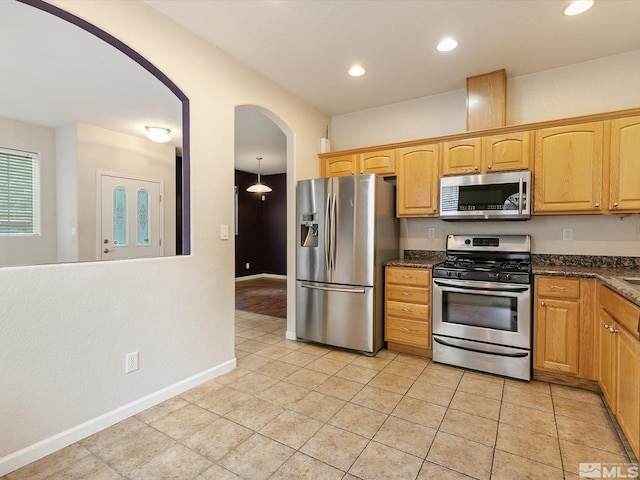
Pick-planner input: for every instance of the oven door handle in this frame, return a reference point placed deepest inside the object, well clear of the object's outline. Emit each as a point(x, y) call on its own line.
point(462, 287)
point(469, 349)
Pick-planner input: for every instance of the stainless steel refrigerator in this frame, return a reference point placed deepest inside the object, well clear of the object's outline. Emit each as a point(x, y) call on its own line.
point(346, 229)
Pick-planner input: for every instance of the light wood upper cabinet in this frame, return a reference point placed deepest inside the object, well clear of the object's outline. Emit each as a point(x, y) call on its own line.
point(461, 157)
point(382, 162)
point(568, 169)
point(418, 181)
point(624, 165)
point(339, 166)
point(497, 153)
point(512, 151)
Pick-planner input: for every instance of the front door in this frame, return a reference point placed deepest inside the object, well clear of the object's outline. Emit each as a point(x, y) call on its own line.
point(130, 217)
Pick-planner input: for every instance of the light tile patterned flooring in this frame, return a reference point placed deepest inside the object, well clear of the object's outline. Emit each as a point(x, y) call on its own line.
point(300, 411)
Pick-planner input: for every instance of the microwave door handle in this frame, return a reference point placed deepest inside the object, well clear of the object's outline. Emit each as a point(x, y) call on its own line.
point(520, 192)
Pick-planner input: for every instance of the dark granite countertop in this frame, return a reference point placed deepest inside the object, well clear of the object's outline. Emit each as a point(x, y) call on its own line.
point(609, 270)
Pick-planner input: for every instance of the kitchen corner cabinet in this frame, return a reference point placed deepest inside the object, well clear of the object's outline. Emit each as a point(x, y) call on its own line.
point(568, 169)
point(382, 162)
point(619, 361)
point(496, 153)
point(408, 310)
point(624, 174)
point(564, 330)
point(418, 178)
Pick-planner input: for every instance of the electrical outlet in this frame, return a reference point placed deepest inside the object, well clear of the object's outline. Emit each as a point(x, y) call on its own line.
point(431, 232)
point(247, 266)
point(567, 234)
point(131, 362)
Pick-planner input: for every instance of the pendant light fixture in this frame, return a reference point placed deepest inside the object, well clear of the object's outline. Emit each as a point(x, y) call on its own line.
point(258, 187)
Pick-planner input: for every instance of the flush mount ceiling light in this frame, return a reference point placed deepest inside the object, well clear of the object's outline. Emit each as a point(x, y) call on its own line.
point(258, 187)
point(577, 7)
point(447, 45)
point(157, 134)
point(357, 71)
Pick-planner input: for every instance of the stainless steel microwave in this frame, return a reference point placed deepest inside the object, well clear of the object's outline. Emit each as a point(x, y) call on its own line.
point(497, 196)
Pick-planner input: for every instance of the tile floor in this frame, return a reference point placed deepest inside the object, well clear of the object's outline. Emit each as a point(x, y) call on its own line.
point(300, 411)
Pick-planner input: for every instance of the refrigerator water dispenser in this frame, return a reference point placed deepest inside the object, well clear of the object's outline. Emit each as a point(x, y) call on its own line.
point(309, 230)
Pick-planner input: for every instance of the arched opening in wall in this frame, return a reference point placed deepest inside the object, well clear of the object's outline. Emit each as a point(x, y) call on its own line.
point(261, 157)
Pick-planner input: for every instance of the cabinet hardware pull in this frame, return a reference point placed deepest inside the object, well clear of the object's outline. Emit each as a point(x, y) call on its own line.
point(606, 326)
point(407, 276)
point(615, 204)
point(613, 330)
point(542, 304)
point(488, 167)
point(596, 205)
point(406, 309)
point(435, 209)
point(475, 167)
point(406, 294)
point(406, 329)
point(557, 287)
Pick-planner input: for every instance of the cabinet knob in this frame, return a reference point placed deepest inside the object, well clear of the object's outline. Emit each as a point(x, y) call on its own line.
point(613, 330)
point(488, 167)
point(606, 327)
point(361, 172)
point(542, 304)
point(407, 276)
point(406, 329)
point(615, 204)
point(435, 209)
point(475, 167)
point(597, 205)
point(406, 294)
point(106, 250)
point(406, 309)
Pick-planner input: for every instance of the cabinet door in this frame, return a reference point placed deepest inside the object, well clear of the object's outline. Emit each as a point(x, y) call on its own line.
point(568, 169)
point(628, 387)
point(556, 335)
point(341, 165)
point(507, 152)
point(623, 169)
point(380, 163)
point(418, 181)
point(607, 377)
point(461, 157)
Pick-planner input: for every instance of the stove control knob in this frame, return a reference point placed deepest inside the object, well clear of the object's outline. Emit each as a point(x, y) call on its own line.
point(467, 242)
point(448, 274)
point(507, 277)
point(459, 274)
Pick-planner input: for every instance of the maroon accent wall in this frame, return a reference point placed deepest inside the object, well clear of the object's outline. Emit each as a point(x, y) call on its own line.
point(262, 226)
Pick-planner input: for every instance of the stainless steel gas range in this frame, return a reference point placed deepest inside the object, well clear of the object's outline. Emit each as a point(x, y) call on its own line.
point(482, 296)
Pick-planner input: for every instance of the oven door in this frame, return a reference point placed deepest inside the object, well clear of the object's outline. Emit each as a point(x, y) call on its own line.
point(498, 313)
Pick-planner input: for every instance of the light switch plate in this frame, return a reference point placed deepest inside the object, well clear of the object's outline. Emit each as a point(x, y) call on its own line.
point(224, 232)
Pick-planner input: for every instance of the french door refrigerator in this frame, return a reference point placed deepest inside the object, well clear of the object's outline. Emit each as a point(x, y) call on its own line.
point(346, 229)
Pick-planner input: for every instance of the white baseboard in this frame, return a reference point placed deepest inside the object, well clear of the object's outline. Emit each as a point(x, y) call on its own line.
point(290, 335)
point(63, 439)
point(261, 275)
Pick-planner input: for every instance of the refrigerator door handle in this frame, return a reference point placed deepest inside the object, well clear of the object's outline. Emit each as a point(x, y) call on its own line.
point(334, 236)
point(327, 232)
point(334, 289)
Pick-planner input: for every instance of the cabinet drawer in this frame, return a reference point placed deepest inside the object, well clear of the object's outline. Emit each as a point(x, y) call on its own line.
point(626, 313)
point(558, 287)
point(412, 311)
point(402, 293)
point(409, 276)
point(408, 332)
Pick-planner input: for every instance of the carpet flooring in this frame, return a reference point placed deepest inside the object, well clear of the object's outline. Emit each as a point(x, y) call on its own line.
point(267, 296)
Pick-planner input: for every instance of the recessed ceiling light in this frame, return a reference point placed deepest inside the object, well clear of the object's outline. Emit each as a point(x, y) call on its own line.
point(447, 45)
point(357, 71)
point(577, 7)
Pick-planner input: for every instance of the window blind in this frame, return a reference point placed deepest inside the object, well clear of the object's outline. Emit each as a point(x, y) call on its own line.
point(19, 192)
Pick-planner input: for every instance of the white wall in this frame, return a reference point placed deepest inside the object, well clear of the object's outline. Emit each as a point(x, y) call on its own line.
point(602, 85)
point(65, 329)
point(27, 250)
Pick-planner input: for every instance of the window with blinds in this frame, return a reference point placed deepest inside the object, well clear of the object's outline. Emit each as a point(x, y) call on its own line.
point(19, 192)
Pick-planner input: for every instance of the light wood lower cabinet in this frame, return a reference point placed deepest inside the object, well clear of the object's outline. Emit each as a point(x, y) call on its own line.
point(619, 361)
point(564, 330)
point(408, 310)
